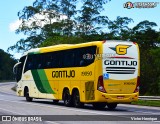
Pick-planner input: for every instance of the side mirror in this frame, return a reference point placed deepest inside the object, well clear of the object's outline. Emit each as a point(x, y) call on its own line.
point(15, 68)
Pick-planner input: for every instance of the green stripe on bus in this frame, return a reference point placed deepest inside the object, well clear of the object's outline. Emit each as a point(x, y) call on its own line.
point(38, 82)
point(45, 81)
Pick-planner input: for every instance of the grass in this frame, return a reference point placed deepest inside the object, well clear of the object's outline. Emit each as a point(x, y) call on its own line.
point(155, 103)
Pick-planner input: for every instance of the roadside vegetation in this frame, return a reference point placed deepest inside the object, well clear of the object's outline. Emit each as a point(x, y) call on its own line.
point(155, 103)
point(6, 64)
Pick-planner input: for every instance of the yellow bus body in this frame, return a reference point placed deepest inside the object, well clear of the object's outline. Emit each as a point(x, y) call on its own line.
point(119, 69)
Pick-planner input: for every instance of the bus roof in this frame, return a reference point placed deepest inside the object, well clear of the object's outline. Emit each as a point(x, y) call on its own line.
point(59, 47)
point(66, 46)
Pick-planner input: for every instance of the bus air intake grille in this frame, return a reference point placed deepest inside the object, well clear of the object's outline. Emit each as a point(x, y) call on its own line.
point(120, 70)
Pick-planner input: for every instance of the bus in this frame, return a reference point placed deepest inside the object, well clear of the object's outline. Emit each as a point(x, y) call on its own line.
point(101, 73)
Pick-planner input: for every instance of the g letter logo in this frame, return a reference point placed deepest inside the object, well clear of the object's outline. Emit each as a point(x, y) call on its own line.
point(122, 49)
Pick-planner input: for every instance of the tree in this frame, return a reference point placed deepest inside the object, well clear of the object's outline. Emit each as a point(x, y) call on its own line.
point(146, 36)
point(148, 41)
point(119, 28)
point(154, 87)
point(68, 8)
point(47, 19)
point(89, 21)
point(6, 65)
point(37, 23)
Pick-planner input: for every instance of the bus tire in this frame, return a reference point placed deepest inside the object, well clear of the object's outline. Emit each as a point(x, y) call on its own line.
point(67, 98)
point(55, 101)
point(111, 106)
point(76, 99)
point(28, 98)
point(100, 105)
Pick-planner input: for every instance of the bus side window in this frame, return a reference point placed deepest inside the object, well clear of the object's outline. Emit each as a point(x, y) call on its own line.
point(55, 61)
point(19, 72)
point(86, 55)
point(79, 60)
point(20, 69)
point(48, 60)
point(82, 62)
point(67, 58)
point(29, 63)
point(38, 61)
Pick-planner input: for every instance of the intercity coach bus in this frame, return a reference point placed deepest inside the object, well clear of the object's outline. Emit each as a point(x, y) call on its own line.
point(99, 73)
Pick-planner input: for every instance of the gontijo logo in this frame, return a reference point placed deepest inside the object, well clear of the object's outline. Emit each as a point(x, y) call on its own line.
point(120, 49)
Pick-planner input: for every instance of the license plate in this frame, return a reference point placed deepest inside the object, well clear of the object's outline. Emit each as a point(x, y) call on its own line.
point(120, 97)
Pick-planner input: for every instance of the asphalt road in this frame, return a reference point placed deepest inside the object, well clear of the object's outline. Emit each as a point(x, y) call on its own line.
point(44, 111)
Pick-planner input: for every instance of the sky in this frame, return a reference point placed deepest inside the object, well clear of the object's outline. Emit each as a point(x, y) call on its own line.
point(114, 8)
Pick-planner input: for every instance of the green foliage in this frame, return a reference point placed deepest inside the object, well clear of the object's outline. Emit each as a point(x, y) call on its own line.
point(28, 43)
point(148, 41)
point(90, 20)
point(58, 39)
point(6, 65)
point(119, 28)
point(60, 17)
point(155, 71)
point(61, 39)
point(147, 103)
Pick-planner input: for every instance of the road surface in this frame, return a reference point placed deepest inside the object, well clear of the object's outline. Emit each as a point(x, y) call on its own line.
point(44, 111)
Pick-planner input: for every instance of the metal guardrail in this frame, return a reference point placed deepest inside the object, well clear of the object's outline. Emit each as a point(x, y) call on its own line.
point(149, 97)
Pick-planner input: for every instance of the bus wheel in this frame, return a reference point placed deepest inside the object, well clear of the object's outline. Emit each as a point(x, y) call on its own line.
point(55, 101)
point(101, 105)
point(67, 98)
point(76, 99)
point(111, 106)
point(29, 99)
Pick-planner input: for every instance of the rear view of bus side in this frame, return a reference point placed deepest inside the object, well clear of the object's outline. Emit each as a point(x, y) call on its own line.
point(99, 73)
